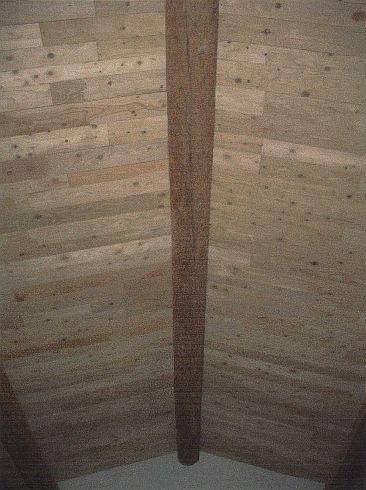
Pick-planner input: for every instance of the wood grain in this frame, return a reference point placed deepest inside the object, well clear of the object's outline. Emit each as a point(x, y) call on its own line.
point(85, 262)
point(28, 11)
point(191, 70)
point(84, 193)
point(20, 36)
point(285, 324)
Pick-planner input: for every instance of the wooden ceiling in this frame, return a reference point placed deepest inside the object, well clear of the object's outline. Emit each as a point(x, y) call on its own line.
point(285, 334)
point(85, 232)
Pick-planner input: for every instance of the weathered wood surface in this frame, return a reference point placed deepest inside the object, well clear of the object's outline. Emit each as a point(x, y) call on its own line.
point(85, 269)
point(191, 40)
point(285, 334)
point(85, 232)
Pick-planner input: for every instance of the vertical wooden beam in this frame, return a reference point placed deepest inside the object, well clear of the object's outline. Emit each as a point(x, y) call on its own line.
point(351, 473)
point(18, 440)
point(191, 42)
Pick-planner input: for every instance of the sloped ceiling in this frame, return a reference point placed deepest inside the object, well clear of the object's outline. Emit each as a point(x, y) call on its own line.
point(86, 275)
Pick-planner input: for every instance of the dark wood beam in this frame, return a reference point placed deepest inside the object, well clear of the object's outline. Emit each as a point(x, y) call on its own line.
point(351, 473)
point(18, 440)
point(191, 42)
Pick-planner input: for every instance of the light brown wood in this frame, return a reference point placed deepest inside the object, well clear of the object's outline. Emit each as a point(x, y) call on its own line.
point(84, 195)
point(85, 272)
point(285, 331)
point(28, 11)
point(192, 29)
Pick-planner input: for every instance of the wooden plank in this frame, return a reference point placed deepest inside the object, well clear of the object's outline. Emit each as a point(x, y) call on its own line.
point(25, 98)
point(351, 473)
point(292, 34)
point(252, 53)
point(108, 318)
point(94, 260)
point(131, 46)
point(68, 31)
point(312, 60)
point(102, 28)
point(328, 12)
point(62, 195)
point(59, 73)
point(138, 130)
point(86, 161)
point(111, 7)
point(192, 30)
point(64, 116)
point(18, 441)
point(313, 155)
point(19, 59)
point(17, 37)
point(18, 147)
point(315, 82)
point(107, 293)
point(345, 123)
point(237, 99)
point(103, 87)
point(80, 235)
point(28, 11)
point(126, 26)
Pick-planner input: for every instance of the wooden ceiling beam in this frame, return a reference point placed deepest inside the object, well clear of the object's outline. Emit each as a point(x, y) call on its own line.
point(18, 440)
point(191, 42)
point(351, 473)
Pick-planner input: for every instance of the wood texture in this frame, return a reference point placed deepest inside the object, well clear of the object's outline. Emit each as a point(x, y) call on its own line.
point(285, 333)
point(85, 261)
point(191, 39)
point(85, 232)
point(17, 440)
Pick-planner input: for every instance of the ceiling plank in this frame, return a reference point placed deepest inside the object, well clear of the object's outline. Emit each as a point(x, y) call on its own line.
point(18, 440)
point(191, 39)
point(351, 473)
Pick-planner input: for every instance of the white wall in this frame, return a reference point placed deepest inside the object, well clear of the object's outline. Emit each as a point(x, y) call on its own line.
point(210, 473)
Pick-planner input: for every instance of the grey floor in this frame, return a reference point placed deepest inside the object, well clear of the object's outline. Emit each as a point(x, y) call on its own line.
point(210, 473)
